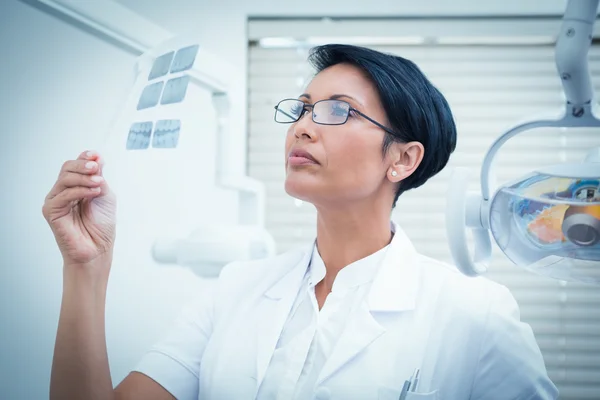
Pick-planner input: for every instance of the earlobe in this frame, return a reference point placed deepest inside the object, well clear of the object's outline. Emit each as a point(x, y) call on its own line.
point(396, 174)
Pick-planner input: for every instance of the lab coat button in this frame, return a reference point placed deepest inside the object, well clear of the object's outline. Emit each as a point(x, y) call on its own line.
point(323, 394)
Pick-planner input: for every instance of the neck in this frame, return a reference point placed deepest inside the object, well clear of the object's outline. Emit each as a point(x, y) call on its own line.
point(348, 234)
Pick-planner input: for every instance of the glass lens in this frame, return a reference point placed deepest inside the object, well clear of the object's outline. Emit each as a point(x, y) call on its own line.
point(331, 112)
point(289, 111)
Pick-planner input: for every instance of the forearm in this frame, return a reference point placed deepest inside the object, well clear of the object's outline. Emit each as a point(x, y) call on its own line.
point(80, 368)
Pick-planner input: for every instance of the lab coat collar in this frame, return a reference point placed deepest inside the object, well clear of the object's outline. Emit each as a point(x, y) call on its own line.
point(288, 280)
point(395, 287)
point(351, 276)
point(281, 296)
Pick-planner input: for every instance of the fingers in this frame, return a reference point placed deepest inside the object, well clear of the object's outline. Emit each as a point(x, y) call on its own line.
point(85, 171)
point(90, 155)
point(62, 203)
point(73, 179)
point(93, 155)
point(86, 167)
point(88, 162)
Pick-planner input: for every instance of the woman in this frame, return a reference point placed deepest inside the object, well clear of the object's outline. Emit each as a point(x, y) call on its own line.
point(359, 314)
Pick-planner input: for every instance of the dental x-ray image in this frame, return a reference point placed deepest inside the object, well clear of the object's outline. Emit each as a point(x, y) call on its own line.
point(166, 134)
point(161, 66)
point(175, 90)
point(184, 59)
point(139, 136)
point(150, 95)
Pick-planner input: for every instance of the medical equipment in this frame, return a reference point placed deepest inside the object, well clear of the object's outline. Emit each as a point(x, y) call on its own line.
point(547, 222)
point(210, 247)
point(167, 109)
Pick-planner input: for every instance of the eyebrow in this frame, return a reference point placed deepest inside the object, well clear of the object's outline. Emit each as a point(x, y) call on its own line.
point(333, 97)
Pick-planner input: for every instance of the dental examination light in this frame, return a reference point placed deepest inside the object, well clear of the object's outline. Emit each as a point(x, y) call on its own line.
point(547, 222)
point(166, 113)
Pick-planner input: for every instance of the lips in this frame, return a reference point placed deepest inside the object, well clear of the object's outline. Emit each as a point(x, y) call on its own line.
point(300, 157)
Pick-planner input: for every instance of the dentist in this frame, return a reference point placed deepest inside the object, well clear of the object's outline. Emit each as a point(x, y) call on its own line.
point(357, 314)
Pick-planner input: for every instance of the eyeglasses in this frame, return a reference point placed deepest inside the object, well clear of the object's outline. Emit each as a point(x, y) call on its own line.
point(324, 112)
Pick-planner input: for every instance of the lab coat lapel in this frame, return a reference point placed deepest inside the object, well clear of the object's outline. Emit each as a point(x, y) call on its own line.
point(394, 289)
point(275, 307)
point(360, 331)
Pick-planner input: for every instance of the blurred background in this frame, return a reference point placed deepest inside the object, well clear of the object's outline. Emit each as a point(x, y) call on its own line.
point(68, 67)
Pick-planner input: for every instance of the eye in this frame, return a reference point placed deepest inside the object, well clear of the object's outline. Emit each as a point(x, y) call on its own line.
point(297, 109)
point(339, 110)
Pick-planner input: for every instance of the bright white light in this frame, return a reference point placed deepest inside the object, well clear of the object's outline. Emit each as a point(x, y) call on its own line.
point(298, 203)
point(287, 42)
point(483, 40)
point(366, 40)
point(274, 42)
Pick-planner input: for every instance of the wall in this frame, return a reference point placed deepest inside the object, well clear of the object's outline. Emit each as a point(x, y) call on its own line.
point(61, 87)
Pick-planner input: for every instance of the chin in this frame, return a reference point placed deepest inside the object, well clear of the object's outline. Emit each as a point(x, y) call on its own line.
point(299, 187)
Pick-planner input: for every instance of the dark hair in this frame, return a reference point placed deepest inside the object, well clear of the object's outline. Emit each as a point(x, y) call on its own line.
point(415, 109)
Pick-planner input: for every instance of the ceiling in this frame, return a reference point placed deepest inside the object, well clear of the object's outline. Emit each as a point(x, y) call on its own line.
point(179, 16)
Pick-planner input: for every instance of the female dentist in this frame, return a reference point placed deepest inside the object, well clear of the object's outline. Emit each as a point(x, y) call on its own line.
point(358, 314)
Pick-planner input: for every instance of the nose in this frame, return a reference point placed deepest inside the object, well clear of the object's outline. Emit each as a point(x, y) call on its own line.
point(305, 127)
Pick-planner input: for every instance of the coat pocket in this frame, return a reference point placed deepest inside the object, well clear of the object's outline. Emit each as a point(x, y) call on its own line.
point(387, 393)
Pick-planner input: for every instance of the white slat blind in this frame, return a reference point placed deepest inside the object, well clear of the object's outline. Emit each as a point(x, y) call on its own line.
point(489, 89)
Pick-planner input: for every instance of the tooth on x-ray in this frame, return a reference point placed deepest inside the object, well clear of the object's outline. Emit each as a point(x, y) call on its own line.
point(139, 136)
point(166, 134)
point(150, 95)
point(161, 66)
point(175, 90)
point(184, 59)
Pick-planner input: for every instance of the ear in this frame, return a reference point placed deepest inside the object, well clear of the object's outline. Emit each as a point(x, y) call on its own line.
point(404, 159)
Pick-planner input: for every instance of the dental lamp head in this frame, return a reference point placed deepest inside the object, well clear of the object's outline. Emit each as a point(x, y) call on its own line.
point(547, 222)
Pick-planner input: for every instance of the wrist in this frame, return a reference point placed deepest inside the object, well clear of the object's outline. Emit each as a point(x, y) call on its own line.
point(94, 271)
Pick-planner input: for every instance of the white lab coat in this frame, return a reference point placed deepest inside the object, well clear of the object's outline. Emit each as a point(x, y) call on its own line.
point(463, 333)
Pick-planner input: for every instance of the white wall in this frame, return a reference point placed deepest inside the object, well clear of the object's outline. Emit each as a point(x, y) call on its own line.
point(61, 87)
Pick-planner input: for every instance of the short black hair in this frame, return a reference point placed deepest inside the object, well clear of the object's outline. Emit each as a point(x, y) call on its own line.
point(415, 108)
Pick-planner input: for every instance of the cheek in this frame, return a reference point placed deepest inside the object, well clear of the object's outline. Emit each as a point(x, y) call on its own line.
point(356, 154)
point(289, 141)
point(356, 162)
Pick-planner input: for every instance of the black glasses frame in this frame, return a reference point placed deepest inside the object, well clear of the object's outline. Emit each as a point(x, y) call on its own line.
point(312, 106)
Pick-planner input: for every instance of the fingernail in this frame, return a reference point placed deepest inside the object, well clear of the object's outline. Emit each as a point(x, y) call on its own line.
point(90, 153)
point(97, 178)
point(90, 164)
point(96, 189)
